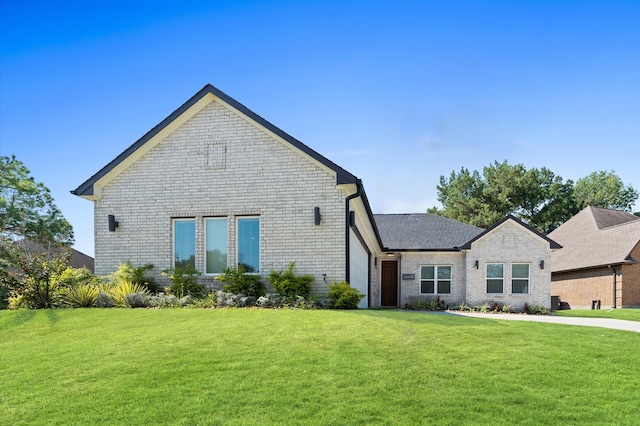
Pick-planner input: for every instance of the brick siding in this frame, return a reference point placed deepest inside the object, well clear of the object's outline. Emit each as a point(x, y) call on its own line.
point(184, 176)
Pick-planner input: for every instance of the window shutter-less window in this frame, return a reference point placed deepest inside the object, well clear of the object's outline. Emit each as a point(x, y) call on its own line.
point(249, 243)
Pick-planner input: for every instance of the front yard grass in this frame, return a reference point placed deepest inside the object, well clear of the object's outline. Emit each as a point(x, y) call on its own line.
point(629, 314)
point(233, 366)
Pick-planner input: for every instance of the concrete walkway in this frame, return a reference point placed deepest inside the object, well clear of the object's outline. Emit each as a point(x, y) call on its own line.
point(615, 324)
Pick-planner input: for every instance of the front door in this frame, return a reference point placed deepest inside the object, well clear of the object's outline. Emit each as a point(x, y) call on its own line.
point(389, 296)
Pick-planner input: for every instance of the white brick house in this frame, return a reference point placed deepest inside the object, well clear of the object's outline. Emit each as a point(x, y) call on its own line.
point(214, 185)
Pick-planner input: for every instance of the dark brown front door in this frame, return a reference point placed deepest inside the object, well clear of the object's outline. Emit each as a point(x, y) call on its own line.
point(389, 283)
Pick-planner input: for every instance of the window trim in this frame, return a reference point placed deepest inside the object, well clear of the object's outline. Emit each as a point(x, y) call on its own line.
point(486, 277)
point(237, 242)
point(435, 279)
point(175, 220)
point(226, 243)
point(528, 279)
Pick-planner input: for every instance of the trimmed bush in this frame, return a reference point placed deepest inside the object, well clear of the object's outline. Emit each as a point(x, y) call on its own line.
point(343, 296)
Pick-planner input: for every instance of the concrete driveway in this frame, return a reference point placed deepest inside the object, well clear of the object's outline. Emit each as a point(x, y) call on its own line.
point(586, 322)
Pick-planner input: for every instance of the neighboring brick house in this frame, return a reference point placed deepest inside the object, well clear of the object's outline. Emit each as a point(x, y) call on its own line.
point(214, 185)
point(600, 257)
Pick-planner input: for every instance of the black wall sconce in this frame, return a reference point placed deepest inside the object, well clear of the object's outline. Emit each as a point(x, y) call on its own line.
point(476, 264)
point(542, 264)
point(316, 215)
point(113, 224)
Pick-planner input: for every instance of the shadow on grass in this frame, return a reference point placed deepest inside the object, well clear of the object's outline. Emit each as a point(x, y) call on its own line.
point(426, 317)
point(10, 319)
point(13, 319)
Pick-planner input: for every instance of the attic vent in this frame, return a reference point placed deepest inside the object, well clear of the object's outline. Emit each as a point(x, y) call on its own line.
point(216, 155)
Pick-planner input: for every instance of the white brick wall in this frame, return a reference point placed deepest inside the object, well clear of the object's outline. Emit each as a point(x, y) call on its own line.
point(259, 176)
point(510, 243)
point(410, 264)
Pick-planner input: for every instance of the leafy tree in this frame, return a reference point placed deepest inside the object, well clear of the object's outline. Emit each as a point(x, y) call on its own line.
point(27, 209)
point(35, 238)
point(604, 189)
point(536, 196)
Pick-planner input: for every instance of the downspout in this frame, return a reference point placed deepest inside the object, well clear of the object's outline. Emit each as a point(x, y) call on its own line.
point(347, 275)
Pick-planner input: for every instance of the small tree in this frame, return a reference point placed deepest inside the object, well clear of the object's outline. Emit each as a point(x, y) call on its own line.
point(290, 285)
point(34, 237)
point(31, 275)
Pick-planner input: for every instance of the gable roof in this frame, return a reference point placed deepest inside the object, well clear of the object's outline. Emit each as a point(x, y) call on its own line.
point(552, 243)
point(423, 232)
point(595, 237)
point(87, 188)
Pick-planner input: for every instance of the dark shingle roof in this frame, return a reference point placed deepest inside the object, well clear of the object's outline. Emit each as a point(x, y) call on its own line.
point(423, 231)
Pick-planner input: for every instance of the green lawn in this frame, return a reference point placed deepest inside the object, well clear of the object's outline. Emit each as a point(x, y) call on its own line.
point(629, 314)
point(232, 366)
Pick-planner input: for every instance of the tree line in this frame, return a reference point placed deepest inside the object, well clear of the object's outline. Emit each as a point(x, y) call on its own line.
point(538, 197)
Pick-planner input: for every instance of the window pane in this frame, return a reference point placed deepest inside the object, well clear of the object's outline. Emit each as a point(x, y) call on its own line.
point(520, 270)
point(427, 273)
point(216, 245)
point(495, 270)
point(184, 239)
point(444, 287)
point(520, 286)
point(494, 286)
point(426, 287)
point(444, 272)
point(249, 243)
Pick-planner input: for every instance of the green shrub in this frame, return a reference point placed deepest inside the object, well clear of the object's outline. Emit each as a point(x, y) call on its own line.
point(4, 296)
point(462, 306)
point(184, 281)
point(426, 303)
point(537, 310)
point(343, 296)
point(238, 281)
point(37, 288)
point(290, 285)
point(81, 295)
point(211, 301)
point(484, 308)
point(71, 277)
point(134, 274)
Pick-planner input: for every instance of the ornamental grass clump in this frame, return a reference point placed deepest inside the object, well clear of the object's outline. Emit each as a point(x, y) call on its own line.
point(81, 296)
point(122, 294)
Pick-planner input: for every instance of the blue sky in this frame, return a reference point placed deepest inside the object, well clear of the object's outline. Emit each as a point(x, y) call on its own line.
point(397, 92)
